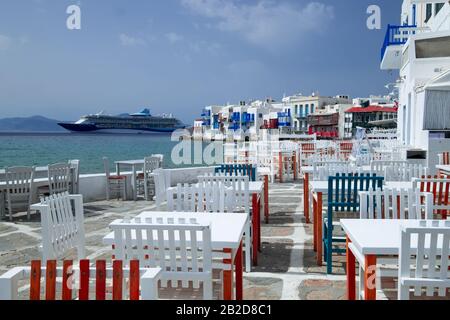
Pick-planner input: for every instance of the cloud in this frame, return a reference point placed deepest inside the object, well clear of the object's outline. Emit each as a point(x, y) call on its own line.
point(265, 23)
point(129, 41)
point(174, 37)
point(5, 42)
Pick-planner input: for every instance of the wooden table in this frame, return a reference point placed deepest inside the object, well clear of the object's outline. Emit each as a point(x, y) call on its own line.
point(317, 189)
point(368, 240)
point(227, 230)
point(134, 164)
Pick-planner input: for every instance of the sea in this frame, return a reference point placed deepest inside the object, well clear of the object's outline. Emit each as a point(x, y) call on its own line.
point(41, 149)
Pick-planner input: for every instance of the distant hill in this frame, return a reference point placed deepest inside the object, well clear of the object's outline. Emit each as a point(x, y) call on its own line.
point(30, 124)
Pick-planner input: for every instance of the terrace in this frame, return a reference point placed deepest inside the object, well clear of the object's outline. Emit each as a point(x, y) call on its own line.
point(289, 263)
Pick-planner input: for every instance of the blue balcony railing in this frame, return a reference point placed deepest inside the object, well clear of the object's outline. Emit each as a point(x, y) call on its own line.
point(396, 35)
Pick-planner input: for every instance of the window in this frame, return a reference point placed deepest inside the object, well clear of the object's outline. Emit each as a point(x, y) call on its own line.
point(438, 7)
point(312, 108)
point(296, 109)
point(429, 12)
point(307, 109)
point(301, 110)
point(433, 48)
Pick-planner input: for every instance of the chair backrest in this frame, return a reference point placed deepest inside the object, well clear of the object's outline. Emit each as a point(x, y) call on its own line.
point(62, 230)
point(379, 166)
point(323, 169)
point(19, 182)
point(396, 204)
point(75, 167)
point(440, 188)
point(404, 172)
point(224, 193)
point(106, 167)
point(151, 164)
point(59, 177)
point(180, 247)
point(77, 281)
point(182, 198)
point(343, 190)
point(238, 170)
point(424, 259)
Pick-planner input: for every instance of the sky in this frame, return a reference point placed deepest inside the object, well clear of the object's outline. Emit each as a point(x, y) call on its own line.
point(177, 56)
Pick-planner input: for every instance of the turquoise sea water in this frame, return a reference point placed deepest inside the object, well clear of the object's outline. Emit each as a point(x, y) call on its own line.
point(44, 149)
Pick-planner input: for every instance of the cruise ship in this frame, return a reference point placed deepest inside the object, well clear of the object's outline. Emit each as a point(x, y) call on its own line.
point(140, 123)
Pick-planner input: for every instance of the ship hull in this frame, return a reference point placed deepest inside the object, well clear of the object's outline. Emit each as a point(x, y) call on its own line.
point(89, 128)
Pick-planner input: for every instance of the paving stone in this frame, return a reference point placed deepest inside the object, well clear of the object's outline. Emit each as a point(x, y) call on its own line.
point(4, 228)
point(262, 288)
point(316, 289)
point(16, 240)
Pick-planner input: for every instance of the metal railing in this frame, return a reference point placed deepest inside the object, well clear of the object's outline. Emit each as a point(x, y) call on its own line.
point(397, 35)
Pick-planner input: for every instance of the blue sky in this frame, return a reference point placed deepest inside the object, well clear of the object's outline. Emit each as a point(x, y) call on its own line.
point(176, 56)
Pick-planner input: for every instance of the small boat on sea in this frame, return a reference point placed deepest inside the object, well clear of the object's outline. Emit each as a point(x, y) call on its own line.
point(137, 123)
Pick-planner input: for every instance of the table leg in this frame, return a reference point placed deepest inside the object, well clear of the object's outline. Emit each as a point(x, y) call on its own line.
point(118, 169)
point(314, 223)
point(294, 160)
point(2, 204)
point(239, 274)
point(228, 278)
point(306, 196)
point(370, 292)
point(255, 224)
point(266, 198)
point(351, 265)
point(259, 224)
point(319, 221)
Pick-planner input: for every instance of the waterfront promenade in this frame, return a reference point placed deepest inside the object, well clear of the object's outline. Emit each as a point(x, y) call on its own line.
point(286, 269)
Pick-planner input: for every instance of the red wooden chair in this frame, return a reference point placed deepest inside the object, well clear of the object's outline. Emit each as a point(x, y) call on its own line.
point(440, 188)
point(142, 282)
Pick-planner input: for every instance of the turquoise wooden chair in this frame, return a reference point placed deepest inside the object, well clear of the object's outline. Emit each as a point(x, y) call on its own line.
point(238, 169)
point(343, 196)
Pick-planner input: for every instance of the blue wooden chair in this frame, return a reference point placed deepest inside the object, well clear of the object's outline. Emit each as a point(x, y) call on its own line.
point(238, 169)
point(343, 196)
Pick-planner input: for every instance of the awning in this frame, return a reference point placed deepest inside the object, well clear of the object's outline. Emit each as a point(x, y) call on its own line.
point(437, 110)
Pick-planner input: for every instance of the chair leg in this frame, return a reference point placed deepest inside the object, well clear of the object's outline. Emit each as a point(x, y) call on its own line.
point(403, 292)
point(10, 211)
point(330, 244)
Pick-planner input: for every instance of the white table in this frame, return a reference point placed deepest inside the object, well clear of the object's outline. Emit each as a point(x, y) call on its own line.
point(316, 191)
point(258, 197)
point(227, 230)
point(134, 164)
point(367, 240)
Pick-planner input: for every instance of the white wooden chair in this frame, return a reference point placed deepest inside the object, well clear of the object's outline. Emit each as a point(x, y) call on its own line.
point(115, 184)
point(145, 180)
point(62, 225)
point(323, 169)
point(19, 189)
point(180, 247)
point(58, 178)
point(379, 166)
point(404, 172)
point(396, 204)
point(75, 176)
point(424, 260)
point(405, 204)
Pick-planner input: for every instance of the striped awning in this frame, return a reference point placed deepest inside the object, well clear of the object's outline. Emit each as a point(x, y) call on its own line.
point(437, 110)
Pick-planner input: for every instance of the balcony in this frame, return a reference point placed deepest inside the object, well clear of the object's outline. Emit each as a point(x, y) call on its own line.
point(391, 52)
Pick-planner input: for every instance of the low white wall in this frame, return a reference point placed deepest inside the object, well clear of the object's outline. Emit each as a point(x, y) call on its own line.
point(93, 186)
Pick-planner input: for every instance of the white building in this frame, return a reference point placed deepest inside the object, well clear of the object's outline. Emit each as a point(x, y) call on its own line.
point(420, 49)
point(302, 106)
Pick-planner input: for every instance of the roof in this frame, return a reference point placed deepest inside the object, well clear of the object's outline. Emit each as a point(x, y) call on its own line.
point(371, 109)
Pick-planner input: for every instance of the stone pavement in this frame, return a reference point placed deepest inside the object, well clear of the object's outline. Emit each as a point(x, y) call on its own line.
point(286, 269)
